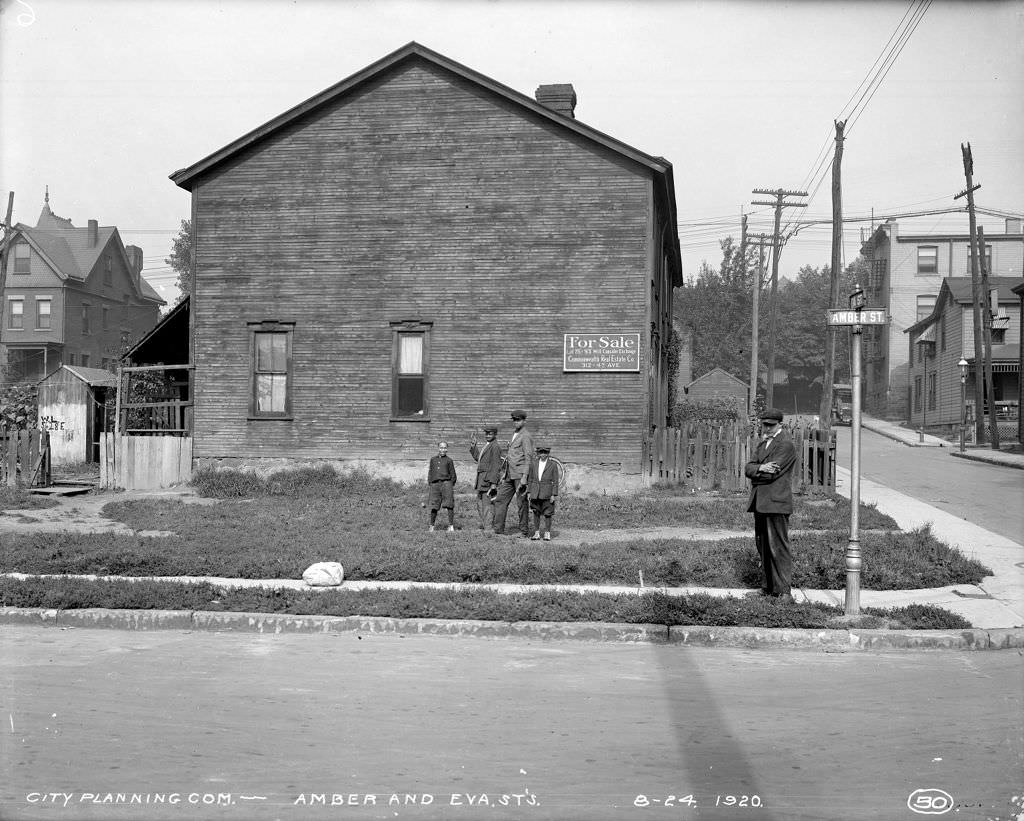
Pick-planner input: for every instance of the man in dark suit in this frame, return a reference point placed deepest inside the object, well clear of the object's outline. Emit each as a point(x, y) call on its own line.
point(488, 474)
point(542, 490)
point(771, 502)
point(513, 482)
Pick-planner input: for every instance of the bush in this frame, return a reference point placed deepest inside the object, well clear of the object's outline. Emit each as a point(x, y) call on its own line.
point(19, 406)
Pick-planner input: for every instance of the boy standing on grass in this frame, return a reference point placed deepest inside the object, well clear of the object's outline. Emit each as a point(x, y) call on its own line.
point(542, 489)
point(441, 480)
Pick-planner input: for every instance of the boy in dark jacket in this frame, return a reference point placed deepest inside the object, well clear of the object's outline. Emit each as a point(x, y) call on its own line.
point(542, 490)
point(441, 485)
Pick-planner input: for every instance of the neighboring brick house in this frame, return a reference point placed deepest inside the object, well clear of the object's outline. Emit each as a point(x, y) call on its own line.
point(906, 271)
point(72, 296)
point(414, 252)
point(938, 342)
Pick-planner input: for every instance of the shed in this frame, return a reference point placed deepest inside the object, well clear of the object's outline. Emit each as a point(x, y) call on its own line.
point(72, 408)
point(718, 384)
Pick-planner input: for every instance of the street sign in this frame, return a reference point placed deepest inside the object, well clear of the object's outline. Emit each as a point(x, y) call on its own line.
point(869, 316)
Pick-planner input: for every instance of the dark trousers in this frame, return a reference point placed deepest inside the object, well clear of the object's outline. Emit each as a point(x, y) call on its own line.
point(543, 510)
point(506, 492)
point(485, 509)
point(771, 534)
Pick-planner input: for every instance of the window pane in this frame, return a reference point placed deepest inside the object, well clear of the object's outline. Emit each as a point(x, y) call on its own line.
point(410, 395)
point(271, 353)
point(43, 313)
point(17, 314)
point(410, 353)
point(22, 258)
point(927, 259)
point(270, 393)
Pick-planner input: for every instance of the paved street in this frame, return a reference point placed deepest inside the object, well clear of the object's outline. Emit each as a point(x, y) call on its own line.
point(986, 495)
point(207, 725)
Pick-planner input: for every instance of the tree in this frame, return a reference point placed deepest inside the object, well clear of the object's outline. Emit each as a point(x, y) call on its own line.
point(717, 305)
point(803, 327)
point(180, 259)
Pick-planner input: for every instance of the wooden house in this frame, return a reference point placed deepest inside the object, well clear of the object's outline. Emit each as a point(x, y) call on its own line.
point(939, 341)
point(416, 251)
point(72, 408)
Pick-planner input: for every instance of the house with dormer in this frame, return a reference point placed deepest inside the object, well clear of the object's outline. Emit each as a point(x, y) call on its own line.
point(72, 296)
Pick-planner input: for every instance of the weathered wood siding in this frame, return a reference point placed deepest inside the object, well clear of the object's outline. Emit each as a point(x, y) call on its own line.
point(422, 197)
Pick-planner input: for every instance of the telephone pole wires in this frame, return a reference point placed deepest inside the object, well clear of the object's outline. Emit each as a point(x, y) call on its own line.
point(779, 203)
point(825, 406)
point(979, 377)
point(755, 320)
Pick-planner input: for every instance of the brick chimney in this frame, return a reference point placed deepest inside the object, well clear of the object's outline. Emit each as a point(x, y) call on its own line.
point(94, 233)
point(134, 254)
point(560, 97)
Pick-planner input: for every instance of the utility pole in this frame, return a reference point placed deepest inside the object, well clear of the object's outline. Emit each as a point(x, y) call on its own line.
point(825, 406)
point(3, 276)
point(986, 322)
point(755, 320)
point(979, 378)
point(779, 203)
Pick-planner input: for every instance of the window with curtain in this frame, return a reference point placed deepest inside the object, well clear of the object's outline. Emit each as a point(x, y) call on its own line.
point(409, 379)
point(271, 346)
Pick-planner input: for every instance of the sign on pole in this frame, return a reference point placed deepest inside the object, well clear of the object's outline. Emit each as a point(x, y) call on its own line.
point(866, 316)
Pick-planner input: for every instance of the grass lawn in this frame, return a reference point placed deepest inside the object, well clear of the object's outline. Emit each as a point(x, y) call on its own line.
point(276, 527)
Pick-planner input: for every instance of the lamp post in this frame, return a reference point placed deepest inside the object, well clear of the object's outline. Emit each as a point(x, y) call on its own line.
point(962, 364)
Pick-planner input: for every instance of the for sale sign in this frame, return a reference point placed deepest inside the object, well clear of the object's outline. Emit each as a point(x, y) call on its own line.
point(601, 352)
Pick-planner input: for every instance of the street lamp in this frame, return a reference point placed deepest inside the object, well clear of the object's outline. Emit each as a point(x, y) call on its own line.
point(962, 364)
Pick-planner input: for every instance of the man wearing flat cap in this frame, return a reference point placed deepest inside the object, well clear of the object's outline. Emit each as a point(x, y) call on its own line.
point(513, 483)
point(771, 502)
point(488, 474)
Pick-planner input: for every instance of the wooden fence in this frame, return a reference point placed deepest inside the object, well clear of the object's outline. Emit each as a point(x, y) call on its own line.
point(24, 458)
point(712, 456)
point(144, 462)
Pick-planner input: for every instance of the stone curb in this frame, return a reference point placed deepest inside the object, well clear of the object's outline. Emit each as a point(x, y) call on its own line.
point(684, 635)
point(1008, 461)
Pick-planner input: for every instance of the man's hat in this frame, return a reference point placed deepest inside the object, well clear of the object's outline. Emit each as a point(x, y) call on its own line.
point(518, 414)
point(771, 413)
point(491, 429)
point(543, 449)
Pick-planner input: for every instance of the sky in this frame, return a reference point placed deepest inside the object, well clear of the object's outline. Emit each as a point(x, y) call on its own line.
point(101, 100)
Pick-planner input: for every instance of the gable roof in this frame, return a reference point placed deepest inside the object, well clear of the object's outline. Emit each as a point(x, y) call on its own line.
point(961, 291)
point(715, 371)
point(167, 342)
point(94, 377)
point(412, 52)
point(70, 255)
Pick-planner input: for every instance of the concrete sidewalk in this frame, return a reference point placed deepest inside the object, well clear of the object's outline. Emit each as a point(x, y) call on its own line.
point(915, 439)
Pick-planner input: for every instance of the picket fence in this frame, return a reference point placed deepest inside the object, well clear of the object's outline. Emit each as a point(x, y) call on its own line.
point(24, 458)
point(712, 456)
